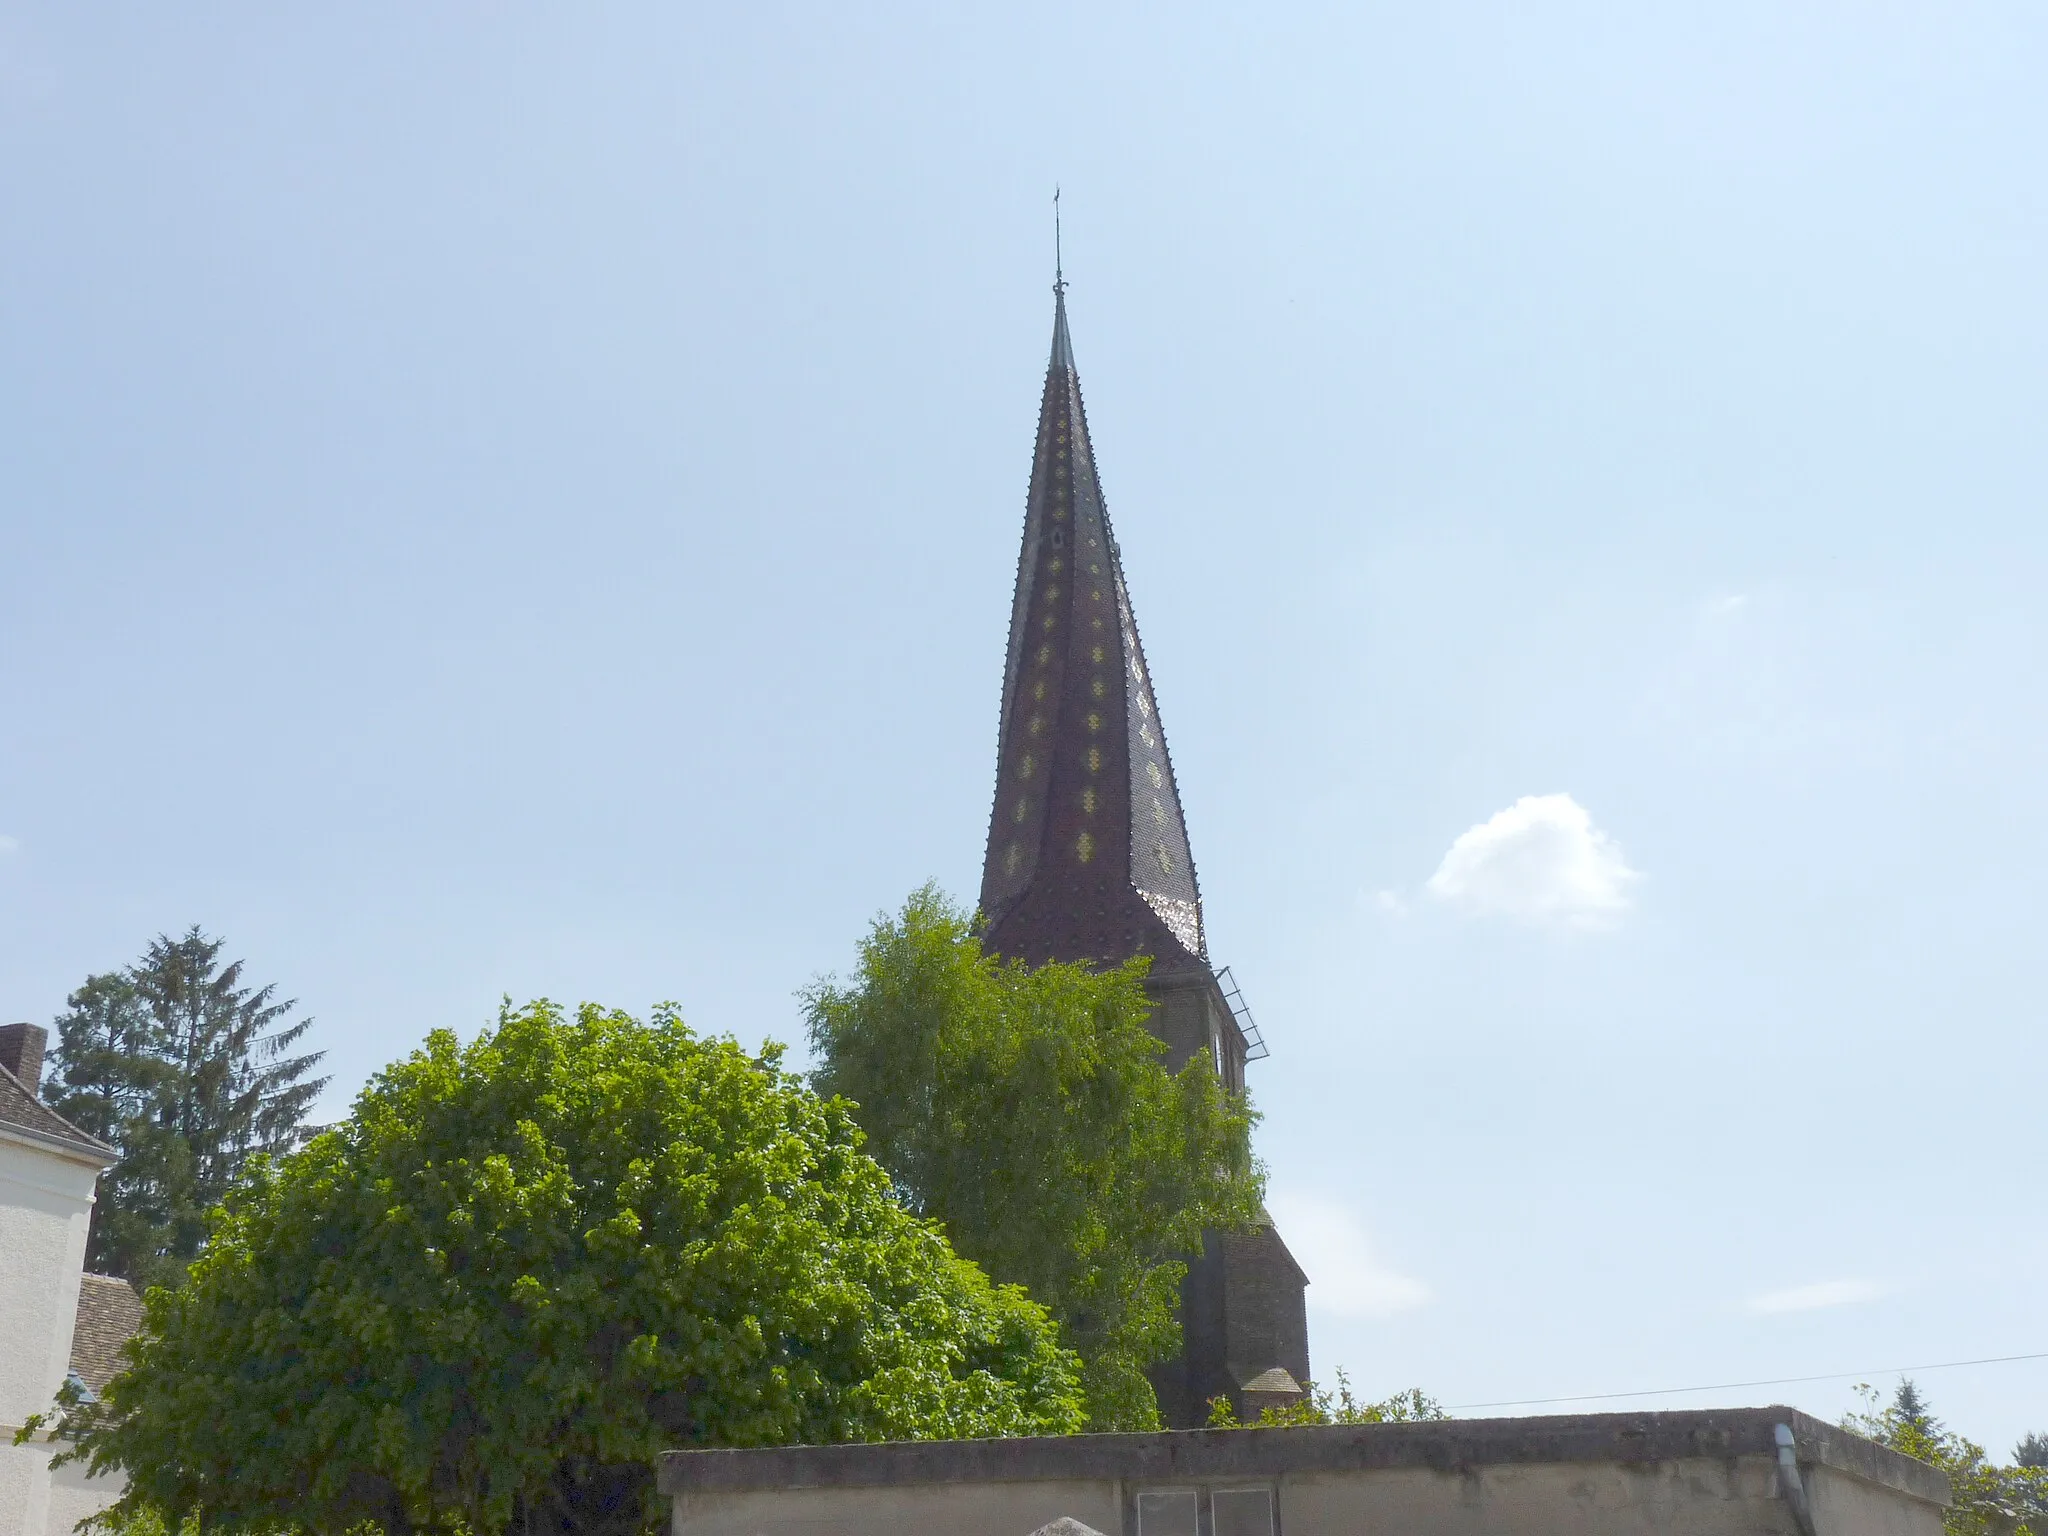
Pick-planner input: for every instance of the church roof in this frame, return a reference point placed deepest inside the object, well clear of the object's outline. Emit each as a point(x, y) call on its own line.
point(1088, 850)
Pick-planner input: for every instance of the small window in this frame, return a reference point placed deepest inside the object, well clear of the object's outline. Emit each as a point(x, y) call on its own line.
point(1243, 1511)
point(1168, 1512)
point(1059, 538)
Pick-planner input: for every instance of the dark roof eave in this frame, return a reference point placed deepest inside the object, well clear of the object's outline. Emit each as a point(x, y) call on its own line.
point(25, 1117)
point(79, 1148)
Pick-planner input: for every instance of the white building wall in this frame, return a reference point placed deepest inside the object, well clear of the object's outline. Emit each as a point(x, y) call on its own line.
point(24, 1489)
point(74, 1495)
point(45, 1208)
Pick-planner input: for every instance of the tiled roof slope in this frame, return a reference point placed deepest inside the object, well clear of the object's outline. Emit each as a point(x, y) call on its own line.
point(1087, 850)
point(109, 1312)
point(21, 1110)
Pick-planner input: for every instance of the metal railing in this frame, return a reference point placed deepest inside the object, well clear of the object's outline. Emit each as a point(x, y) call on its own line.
point(1240, 1010)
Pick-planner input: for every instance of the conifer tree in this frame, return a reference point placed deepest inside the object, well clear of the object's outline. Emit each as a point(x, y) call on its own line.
point(187, 1073)
point(1911, 1408)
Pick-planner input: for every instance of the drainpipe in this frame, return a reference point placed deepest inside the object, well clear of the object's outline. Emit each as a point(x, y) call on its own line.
point(1789, 1483)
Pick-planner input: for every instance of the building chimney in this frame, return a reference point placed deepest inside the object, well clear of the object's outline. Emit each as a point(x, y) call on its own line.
point(21, 1052)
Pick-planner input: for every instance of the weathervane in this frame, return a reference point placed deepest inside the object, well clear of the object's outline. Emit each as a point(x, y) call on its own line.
point(1059, 280)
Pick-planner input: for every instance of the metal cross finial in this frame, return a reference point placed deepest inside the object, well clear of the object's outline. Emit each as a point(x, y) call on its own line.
point(1059, 280)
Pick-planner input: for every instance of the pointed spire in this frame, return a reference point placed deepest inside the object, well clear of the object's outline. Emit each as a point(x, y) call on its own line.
point(1062, 347)
point(1088, 851)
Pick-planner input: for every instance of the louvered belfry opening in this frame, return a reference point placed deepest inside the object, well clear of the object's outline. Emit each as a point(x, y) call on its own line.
point(1088, 860)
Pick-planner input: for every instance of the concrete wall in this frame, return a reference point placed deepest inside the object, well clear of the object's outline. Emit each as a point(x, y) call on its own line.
point(1736, 1497)
point(1695, 1474)
point(954, 1508)
point(1848, 1503)
point(45, 1207)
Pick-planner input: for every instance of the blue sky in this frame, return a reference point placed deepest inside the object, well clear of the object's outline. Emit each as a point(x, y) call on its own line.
point(498, 502)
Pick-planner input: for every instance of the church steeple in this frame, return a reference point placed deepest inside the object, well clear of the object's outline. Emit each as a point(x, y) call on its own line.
point(1088, 851)
point(1088, 861)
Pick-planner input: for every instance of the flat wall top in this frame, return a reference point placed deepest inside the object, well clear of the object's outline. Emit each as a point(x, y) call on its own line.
point(1448, 1445)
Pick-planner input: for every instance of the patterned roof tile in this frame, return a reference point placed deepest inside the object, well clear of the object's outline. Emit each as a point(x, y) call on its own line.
point(1088, 849)
point(109, 1313)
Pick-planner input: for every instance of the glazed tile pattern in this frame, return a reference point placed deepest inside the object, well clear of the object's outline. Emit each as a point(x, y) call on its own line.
point(1088, 853)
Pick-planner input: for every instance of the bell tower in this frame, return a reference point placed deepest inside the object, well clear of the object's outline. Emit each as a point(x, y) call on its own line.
point(1088, 860)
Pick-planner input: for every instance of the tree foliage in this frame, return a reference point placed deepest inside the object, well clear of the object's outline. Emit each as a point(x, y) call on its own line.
point(1987, 1499)
point(1909, 1410)
point(1320, 1405)
point(524, 1267)
point(188, 1073)
point(1030, 1112)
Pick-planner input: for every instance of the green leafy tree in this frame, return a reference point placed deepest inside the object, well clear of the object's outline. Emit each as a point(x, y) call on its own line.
point(1986, 1499)
point(1030, 1112)
point(2030, 1498)
point(524, 1267)
point(188, 1073)
point(1320, 1405)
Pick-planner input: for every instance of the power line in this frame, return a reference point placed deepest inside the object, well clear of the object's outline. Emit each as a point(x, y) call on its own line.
point(1731, 1386)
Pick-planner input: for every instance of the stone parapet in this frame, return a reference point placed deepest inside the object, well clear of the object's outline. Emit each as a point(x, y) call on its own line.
point(1704, 1473)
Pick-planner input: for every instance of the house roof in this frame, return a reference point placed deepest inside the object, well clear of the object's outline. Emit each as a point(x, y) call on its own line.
point(22, 1112)
point(109, 1313)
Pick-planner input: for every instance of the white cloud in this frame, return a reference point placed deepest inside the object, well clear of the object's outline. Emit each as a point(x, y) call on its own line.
point(1390, 903)
point(1811, 1298)
point(8, 845)
point(1346, 1277)
point(1539, 861)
